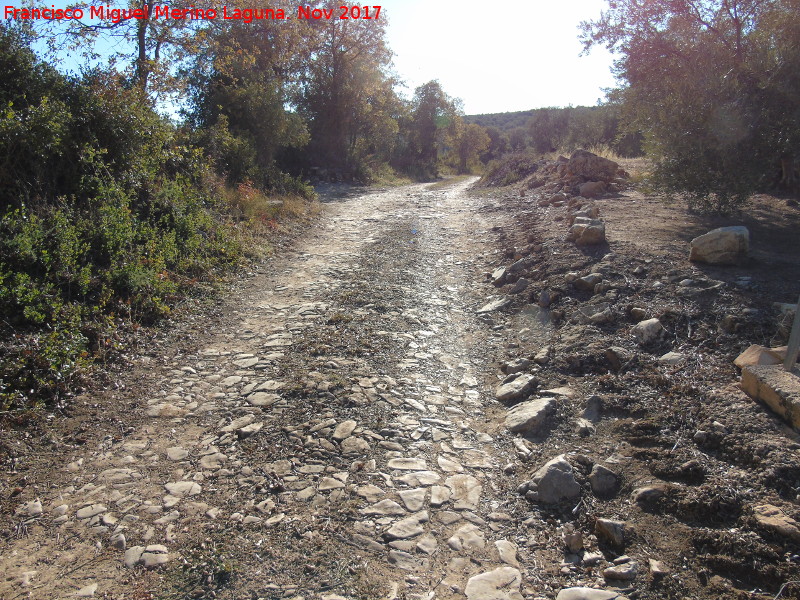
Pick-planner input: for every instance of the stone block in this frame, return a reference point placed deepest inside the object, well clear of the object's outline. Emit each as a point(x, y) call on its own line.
point(776, 387)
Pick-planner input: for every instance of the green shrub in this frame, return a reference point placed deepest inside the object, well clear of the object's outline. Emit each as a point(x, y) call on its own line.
point(104, 218)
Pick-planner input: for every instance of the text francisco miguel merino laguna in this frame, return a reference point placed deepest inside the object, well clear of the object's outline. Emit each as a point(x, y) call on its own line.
point(167, 12)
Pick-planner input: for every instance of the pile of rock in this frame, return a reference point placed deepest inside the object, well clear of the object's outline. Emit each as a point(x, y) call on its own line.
point(582, 174)
point(572, 182)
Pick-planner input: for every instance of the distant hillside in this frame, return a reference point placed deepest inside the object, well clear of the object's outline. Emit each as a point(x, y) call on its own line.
point(505, 122)
point(558, 129)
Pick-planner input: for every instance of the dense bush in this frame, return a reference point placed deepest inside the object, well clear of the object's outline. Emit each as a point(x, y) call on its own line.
point(104, 220)
point(714, 87)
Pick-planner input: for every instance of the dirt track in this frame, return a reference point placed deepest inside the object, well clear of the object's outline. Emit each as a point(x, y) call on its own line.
point(338, 395)
point(332, 431)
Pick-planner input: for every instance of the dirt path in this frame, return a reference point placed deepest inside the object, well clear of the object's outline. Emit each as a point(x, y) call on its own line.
point(329, 437)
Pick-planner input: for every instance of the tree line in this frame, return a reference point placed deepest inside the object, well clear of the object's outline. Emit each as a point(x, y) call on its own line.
point(559, 129)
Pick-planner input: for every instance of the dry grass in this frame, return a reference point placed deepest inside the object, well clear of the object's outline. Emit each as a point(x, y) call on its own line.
point(261, 217)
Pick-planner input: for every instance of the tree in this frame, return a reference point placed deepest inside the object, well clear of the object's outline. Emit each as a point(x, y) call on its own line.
point(713, 85)
point(146, 47)
point(473, 141)
point(433, 114)
point(498, 144)
point(346, 84)
point(241, 86)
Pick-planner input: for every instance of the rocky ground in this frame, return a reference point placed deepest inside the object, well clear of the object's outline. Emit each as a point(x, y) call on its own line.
point(432, 394)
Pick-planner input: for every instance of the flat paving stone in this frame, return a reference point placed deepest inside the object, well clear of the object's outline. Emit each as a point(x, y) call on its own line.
point(181, 489)
point(384, 508)
point(500, 584)
point(465, 491)
point(407, 528)
point(414, 499)
point(407, 464)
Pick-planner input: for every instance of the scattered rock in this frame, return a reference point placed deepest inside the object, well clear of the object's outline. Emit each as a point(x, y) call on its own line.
point(87, 512)
point(414, 499)
point(507, 552)
point(529, 417)
point(87, 591)
point(249, 430)
point(239, 423)
point(166, 410)
point(262, 399)
point(408, 527)
point(213, 462)
point(605, 482)
point(617, 357)
point(465, 491)
point(647, 496)
point(588, 282)
point(439, 495)
point(520, 286)
point(177, 453)
point(499, 277)
point(407, 464)
point(611, 531)
point(31, 509)
point(657, 568)
point(543, 356)
point(723, 246)
point(672, 358)
point(773, 519)
point(518, 388)
point(468, 537)
point(132, 556)
point(355, 446)
point(649, 331)
point(553, 483)
point(154, 556)
point(404, 560)
point(592, 189)
point(584, 593)
point(493, 306)
point(572, 538)
point(759, 355)
point(384, 508)
point(587, 232)
point(343, 430)
point(329, 483)
point(449, 466)
point(181, 489)
point(516, 366)
point(624, 572)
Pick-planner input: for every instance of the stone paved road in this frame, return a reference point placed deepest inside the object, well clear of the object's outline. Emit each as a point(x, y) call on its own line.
point(331, 438)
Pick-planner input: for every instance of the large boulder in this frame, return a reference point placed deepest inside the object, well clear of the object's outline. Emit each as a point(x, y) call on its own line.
point(723, 246)
point(591, 167)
